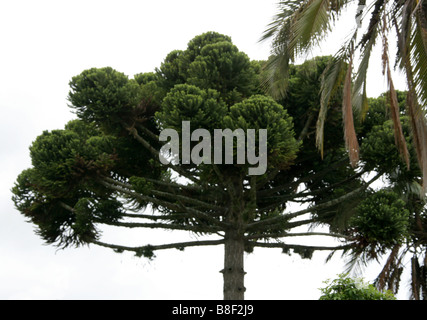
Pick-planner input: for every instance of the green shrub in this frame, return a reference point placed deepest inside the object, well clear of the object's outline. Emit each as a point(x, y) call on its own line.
point(346, 288)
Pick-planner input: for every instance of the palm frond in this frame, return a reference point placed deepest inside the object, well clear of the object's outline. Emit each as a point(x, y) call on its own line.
point(274, 77)
point(419, 134)
point(350, 137)
point(332, 78)
point(403, 29)
point(390, 275)
point(312, 24)
point(413, 60)
point(366, 45)
point(397, 125)
point(286, 10)
point(356, 262)
point(359, 95)
point(299, 27)
point(399, 137)
point(419, 54)
point(378, 7)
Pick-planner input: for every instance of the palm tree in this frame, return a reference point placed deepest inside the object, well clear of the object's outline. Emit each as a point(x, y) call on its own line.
point(301, 25)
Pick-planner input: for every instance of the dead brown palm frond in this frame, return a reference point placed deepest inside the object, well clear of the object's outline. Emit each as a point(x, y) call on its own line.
point(397, 125)
point(389, 276)
point(350, 137)
point(332, 79)
point(399, 137)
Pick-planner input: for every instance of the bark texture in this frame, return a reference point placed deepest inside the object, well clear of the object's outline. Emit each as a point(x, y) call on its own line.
point(233, 272)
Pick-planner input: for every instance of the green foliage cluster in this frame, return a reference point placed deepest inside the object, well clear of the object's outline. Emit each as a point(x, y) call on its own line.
point(66, 164)
point(204, 108)
point(103, 96)
point(382, 219)
point(262, 112)
point(347, 288)
point(379, 152)
point(211, 61)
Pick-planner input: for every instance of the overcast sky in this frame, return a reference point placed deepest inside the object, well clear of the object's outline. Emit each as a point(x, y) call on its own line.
point(43, 44)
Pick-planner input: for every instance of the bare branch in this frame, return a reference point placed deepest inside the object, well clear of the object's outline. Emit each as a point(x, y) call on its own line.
point(178, 245)
point(149, 133)
point(151, 217)
point(300, 234)
point(147, 145)
point(265, 223)
point(206, 229)
point(174, 196)
point(294, 246)
point(188, 200)
point(275, 200)
point(266, 192)
point(172, 206)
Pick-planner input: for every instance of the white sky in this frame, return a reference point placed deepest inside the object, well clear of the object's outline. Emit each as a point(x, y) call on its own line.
point(42, 45)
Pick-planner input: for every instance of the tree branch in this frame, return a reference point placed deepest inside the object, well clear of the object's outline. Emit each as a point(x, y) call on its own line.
point(188, 200)
point(280, 198)
point(206, 229)
point(149, 133)
point(171, 184)
point(289, 216)
point(301, 234)
point(152, 217)
point(193, 213)
point(294, 246)
point(179, 245)
point(267, 192)
point(149, 147)
point(174, 196)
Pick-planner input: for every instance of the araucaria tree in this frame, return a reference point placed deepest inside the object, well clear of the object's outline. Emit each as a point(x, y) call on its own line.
point(107, 166)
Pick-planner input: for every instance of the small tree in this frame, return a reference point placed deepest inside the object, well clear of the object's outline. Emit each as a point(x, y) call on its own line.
point(107, 166)
point(346, 288)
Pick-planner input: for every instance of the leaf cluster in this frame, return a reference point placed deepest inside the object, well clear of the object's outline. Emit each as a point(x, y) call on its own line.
point(346, 288)
point(381, 219)
point(66, 164)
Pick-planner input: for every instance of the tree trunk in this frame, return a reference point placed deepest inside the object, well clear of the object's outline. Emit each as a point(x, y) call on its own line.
point(233, 271)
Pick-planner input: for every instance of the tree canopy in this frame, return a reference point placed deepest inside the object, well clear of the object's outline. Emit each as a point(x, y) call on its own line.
point(105, 168)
